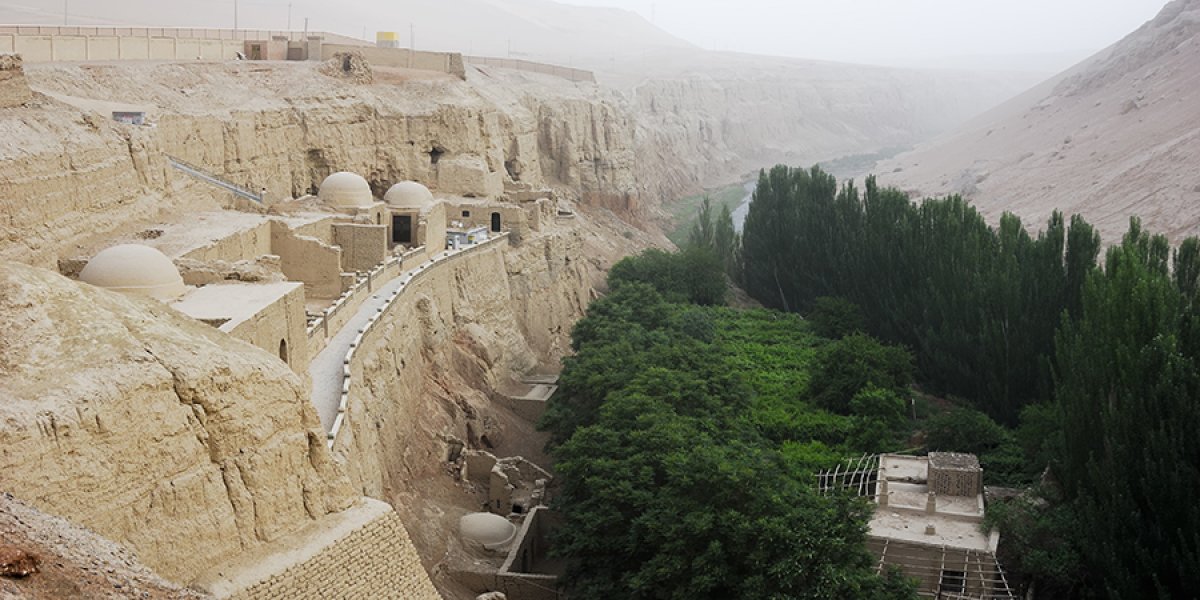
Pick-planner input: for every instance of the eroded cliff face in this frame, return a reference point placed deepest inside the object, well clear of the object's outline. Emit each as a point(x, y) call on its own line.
point(700, 124)
point(151, 428)
point(284, 127)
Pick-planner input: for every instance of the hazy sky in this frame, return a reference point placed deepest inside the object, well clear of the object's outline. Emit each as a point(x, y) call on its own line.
point(899, 32)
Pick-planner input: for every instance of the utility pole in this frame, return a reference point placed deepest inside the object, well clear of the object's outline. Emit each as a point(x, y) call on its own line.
point(66, 3)
point(412, 37)
point(235, 14)
point(289, 17)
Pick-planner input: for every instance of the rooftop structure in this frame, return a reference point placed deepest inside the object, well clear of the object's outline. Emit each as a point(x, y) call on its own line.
point(409, 196)
point(492, 531)
point(346, 190)
point(134, 269)
point(928, 521)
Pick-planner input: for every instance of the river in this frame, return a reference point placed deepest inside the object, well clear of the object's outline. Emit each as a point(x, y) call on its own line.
point(739, 214)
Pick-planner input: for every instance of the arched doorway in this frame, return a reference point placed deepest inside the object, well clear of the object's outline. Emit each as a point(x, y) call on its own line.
point(283, 351)
point(496, 221)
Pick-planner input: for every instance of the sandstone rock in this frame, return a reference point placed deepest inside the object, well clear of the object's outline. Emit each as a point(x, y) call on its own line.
point(14, 90)
point(15, 562)
point(152, 429)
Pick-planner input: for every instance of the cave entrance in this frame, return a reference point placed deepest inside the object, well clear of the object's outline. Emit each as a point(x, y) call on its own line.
point(496, 221)
point(435, 155)
point(401, 229)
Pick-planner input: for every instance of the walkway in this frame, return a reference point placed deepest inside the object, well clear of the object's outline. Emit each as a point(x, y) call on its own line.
point(327, 369)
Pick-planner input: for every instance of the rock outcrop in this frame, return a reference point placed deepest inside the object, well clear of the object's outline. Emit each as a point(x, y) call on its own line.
point(1112, 138)
point(151, 428)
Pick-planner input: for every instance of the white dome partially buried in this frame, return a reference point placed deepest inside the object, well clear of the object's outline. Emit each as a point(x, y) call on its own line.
point(134, 269)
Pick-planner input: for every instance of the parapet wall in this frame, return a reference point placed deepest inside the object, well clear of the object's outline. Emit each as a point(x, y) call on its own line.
point(443, 62)
point(577, 75)
point(43, 43)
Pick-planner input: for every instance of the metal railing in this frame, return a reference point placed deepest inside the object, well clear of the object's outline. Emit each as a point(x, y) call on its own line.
point(216, 180)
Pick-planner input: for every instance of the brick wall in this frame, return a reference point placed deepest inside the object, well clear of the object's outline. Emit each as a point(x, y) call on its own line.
point(365, 557)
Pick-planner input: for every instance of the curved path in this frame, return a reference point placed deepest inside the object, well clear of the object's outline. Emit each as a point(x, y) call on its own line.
point(327, 369)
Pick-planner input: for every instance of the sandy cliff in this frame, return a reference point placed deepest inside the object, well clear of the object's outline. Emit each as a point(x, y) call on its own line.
point(151, 428)
point(1112, 138)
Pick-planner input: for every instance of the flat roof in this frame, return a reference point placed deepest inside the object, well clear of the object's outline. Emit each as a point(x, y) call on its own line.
point(895, 467)
point(233, 302)
point(950, 531)
point(957, 520)
point(197, 230)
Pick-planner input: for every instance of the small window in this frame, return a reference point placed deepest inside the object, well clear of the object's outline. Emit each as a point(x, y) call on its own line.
point(466, 214)
point(283, 350)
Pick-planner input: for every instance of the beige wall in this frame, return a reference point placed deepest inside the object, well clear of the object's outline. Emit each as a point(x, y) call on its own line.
point(534, 67)
point(282, 321)
point(363, 246)
point(134, 48)
point(37, 48)
point(248, 244)
point(310, 260)
point(442, 62)
point(70, 48)
point(104, 48)
point(34, 48)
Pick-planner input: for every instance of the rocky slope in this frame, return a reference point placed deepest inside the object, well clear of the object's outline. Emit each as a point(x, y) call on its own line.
point(151, 428)
point(706, 118)
point(284, 127)
point(1116, 136)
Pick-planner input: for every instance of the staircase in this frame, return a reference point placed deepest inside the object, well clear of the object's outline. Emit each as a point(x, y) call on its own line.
point(216, 180)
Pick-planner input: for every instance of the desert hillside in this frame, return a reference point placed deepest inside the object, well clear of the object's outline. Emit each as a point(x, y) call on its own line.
point(1114, 137)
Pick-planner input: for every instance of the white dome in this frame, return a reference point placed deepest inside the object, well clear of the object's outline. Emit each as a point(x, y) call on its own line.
point(346, 190)
point(493, 531)
point(134, 269)
point(409, 195)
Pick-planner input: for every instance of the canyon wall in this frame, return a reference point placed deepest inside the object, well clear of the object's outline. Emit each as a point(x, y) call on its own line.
point(703, 121)
point(153, 429)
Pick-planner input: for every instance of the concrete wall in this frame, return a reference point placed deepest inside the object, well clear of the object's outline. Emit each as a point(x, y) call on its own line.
point(363, 246)
point(364, 552)
point(468, 175)
point(578, 75)
point(49, 44)
point(442, 62)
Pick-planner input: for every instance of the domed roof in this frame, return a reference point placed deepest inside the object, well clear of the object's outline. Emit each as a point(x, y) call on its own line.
point(135, 269)
point(493, 531)
point(346, 190)
point(410, 195)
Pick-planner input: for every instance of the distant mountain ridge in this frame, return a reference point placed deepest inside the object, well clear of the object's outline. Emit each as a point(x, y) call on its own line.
point(1114, 137)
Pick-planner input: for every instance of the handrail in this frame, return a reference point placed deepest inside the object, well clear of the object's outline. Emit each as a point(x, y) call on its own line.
point(417, 273)
point(216, 180)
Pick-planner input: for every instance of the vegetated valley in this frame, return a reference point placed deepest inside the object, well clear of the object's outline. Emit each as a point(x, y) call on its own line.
point(690, 434)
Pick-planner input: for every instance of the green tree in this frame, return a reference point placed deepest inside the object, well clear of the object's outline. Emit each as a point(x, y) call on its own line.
point(836, 318)
point(847, 366)
point(1127, 380)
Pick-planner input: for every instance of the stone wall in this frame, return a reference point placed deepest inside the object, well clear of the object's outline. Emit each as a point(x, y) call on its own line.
point(14, 90)
point(363, 552)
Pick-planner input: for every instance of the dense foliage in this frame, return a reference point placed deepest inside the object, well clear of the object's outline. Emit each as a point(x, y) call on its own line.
point(977, 306)
point(679, 277)
point(686, 446)
point(1128, 390)
point(1100, 366)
